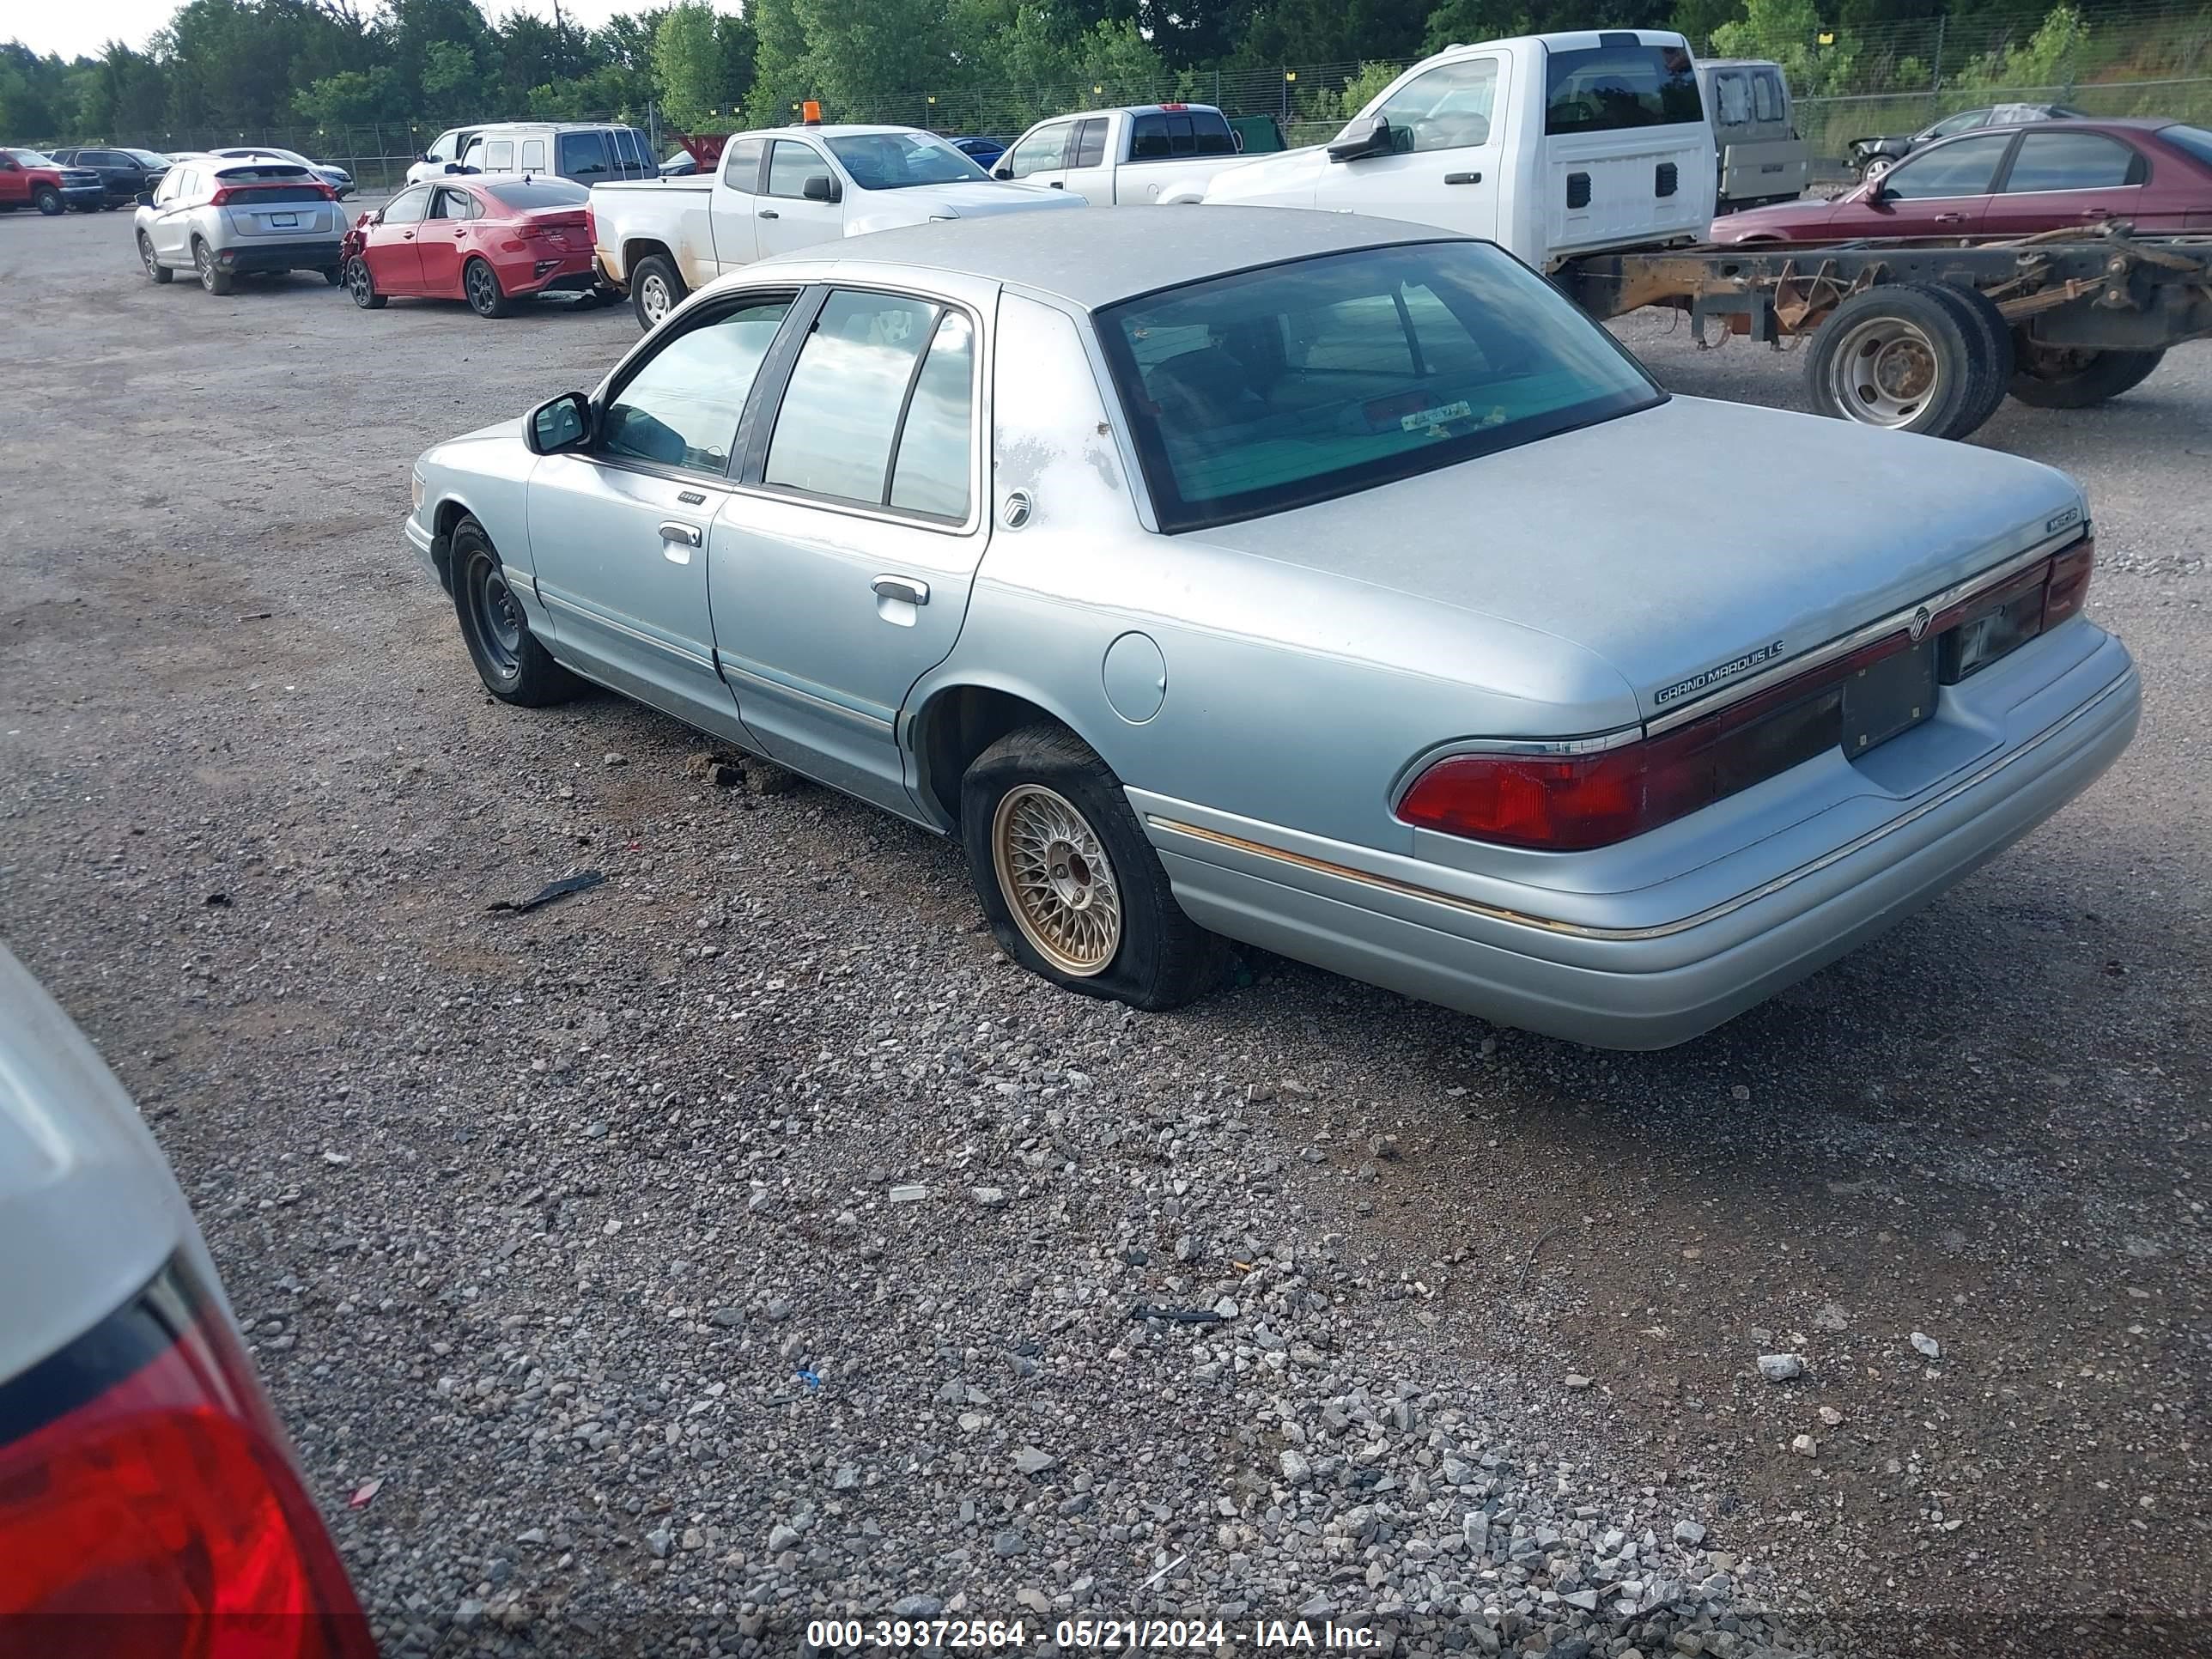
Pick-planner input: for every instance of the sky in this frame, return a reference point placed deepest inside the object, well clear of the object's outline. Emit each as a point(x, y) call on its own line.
point(83, 26)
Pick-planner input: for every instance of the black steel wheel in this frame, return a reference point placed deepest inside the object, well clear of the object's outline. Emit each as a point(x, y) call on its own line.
point(2061, 377)
point(514, 667)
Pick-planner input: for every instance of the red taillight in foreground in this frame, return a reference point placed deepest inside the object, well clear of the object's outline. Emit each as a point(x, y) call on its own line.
point(148, 1505)
point(1572, 803)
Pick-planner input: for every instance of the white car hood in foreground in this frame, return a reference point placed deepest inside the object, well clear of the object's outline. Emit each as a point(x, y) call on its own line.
point(1289, 178)
point(1674, 540)
point(975, 201)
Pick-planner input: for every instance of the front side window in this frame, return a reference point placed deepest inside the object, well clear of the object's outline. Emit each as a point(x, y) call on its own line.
point(1044, 150)
point(1449, 107)
point(1607, 89)
point(584, 154)
point(898, 160)
point(444, 147)
point(681, 409)
point(790, 165)
point(856, 390)
point(2072, 161)
point(741, 166)
point(1962, 167)
point(408, 207)
point(171, 183)
point(1265, 391)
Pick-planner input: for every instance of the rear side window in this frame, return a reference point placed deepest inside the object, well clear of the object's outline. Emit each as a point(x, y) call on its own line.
point(2189, 141)
point(1257, 392)
point(856, 390)
point(584, 154)
point(741, 166)
point(2073, 161)
point(1089, 149)
point(1607, 89)
point(533, 155)
point(499, 155)
point(1732, 98)
point(452, 203)
point(1766, 93)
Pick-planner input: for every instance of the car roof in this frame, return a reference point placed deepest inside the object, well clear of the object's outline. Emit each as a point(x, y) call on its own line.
point(828, 130)
point(1095, 258)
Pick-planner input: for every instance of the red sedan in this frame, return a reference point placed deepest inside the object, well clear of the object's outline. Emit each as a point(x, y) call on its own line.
point(488, 240)
point(2013, 181)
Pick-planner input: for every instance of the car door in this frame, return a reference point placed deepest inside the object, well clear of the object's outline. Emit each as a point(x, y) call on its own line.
point(842, 574)
point(1086, 170)
point(171, 227)
point(15, 183)
point(1039, 157)
point(783, 218)
point(1941, 191)
point(623, 533)
point(443, 240)
point(730, 208)
point(392, 245)
point(1448, 154)
point(2060, 177)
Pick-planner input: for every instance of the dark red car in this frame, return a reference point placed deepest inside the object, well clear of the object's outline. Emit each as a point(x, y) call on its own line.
point(2013, 181)
point(488, 240)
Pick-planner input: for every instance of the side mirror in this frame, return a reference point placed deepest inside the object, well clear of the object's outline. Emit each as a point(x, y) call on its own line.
point(1367, 135)
point(424, 156)
point(560, 423)
point(145, 198)
point(1002, 172)
point(820, 187)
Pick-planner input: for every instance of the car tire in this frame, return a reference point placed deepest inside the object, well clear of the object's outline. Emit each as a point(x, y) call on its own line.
point(480, 282)
point(1898, 356)
point(2053, 378)
point(48, 201)
point(1073, 890)
point(1992, 366)
point(655, 289)
point(155, 270)
point(334, 274)
point(213, 278)
point(362, 286)
point(512, 665)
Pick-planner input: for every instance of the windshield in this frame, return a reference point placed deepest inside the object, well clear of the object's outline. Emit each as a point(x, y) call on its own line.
point(894, 160)
point(540, 193)
point(31, 158)
point(151, 158)
point(1271, 389)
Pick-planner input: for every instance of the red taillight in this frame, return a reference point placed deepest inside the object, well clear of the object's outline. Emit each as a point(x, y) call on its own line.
point(158, 1512)
point(223, 194)
point(1574, 802)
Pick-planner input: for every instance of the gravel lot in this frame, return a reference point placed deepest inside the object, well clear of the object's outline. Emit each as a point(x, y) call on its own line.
point(589, 1238)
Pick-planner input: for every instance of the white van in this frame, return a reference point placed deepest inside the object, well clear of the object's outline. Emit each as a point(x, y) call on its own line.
point(1549, 145)
point(589, 152)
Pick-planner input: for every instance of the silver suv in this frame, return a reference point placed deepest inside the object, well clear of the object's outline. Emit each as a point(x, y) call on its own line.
point(223, 219)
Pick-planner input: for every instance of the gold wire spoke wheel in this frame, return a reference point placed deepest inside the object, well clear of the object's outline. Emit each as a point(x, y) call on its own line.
point(1053, 869)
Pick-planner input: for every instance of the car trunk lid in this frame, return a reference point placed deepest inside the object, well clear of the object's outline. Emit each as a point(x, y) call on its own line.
point(1650, 541)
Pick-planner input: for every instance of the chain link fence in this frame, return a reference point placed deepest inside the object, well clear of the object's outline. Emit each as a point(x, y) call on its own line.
point(1893, 77)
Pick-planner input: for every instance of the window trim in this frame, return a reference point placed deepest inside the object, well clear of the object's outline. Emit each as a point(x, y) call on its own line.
point(752, 479)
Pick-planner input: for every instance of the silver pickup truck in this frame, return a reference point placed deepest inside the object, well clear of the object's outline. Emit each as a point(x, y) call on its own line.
point(781, 189)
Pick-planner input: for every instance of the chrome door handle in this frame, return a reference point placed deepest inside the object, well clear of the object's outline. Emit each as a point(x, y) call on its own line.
point(902, 587)
point(671, 529)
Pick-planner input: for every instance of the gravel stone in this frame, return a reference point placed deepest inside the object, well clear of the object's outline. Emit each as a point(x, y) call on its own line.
point(1780, 1367)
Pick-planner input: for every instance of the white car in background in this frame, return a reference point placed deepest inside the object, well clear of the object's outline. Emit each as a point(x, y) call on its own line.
point(147, 1496)
point(222, 220)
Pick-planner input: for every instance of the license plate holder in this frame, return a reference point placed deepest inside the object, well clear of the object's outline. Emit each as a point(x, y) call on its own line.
point(284, 220)
point(1888, 697)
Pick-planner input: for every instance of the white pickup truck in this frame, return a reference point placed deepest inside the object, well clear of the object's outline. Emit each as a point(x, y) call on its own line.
point(782, 188)
point(1550, 145)
point(1123, 157)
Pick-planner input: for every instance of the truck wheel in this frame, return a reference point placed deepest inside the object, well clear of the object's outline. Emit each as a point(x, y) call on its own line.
point(1898, 357)
point(655, 289)
point(154, 269)
point(2061, 377)
point(481, 283)
point(1992, 358)
point(362, 286)
point(47, 200)
point(213, 278)
point(512, 665)
point(1073, 889)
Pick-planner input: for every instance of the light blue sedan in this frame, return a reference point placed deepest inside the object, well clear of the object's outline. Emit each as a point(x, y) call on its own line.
point(1309, 580)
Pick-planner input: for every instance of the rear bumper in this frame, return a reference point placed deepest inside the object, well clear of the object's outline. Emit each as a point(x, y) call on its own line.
point(321, 254)
point(1648, 987)
point(575, 273)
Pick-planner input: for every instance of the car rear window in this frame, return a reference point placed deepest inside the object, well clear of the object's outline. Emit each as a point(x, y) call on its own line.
point(269, 172)
point(1605, 88)
point(1270, 389)
point(1173, 134)
point(2189, 141)
point(540, 193)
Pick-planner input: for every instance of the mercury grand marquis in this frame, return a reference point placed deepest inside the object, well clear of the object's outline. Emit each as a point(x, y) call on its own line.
point(1309, 580)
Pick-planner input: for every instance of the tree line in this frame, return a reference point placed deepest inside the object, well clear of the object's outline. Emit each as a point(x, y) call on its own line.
point(245, 65)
